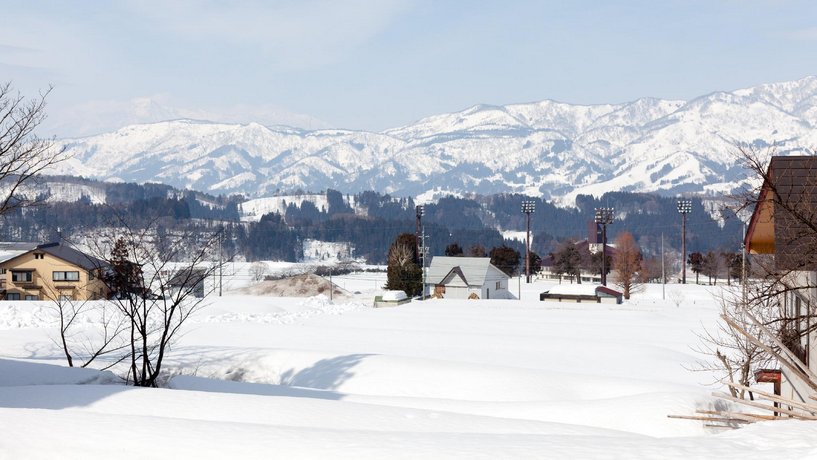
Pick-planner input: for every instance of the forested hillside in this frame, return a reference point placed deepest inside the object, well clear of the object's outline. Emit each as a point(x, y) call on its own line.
point(369, 220)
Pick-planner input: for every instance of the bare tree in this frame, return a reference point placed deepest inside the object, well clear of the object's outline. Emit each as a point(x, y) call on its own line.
point(84, 345)
point(734, 356)
point(676, 297)
point(23, 154)
point(258, 270)
point(167, 273)
point(627, 264)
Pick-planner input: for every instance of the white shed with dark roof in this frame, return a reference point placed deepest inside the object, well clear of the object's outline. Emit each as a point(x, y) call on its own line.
point(466, 277)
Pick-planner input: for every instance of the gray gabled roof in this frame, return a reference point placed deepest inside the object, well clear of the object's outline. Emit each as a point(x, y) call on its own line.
point(71, 255)
point(474, 269)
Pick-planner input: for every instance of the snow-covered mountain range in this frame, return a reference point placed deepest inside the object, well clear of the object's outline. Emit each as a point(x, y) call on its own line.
point(549, 149)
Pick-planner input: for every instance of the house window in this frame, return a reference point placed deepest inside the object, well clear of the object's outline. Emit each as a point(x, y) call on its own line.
point(39, 256)
point(31, 297)
point(12, 296)
point(64, 297)
point(2, 271)
point(22, 277)
point(498, 285)
point(65, 276)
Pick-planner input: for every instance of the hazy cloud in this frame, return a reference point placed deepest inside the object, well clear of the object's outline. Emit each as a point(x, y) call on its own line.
point(293, 34)
point(97, 116)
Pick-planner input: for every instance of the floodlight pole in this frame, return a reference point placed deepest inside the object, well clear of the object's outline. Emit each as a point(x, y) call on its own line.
point(527, 208)
point(684, 207)
point(419, 211)
point(604, 216)
point(663, 271)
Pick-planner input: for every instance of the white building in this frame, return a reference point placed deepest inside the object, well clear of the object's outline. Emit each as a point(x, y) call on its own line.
point(466, 277)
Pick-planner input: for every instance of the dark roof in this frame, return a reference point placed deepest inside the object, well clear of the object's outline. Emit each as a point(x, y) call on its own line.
point(71, 255)
point(788, 199)
point(187, 276)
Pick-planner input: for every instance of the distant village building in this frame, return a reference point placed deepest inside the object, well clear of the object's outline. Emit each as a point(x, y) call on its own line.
point(466, 278)
point(188, 281)
point(52, 271)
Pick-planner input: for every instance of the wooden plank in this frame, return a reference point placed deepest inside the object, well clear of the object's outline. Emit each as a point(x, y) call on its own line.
point(795, 369)
point(740, 415)
point(812, 378)
point(798, 415)
point(708, 419)
point(772, 397)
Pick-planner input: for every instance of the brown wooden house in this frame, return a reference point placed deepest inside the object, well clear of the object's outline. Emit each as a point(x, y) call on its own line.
point(784, 225)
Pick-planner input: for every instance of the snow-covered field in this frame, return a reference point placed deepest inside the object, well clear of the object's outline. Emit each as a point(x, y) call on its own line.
point(261, 377)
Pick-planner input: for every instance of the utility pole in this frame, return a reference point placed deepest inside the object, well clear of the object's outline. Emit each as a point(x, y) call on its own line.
point(663, 271)
point(604, 216)
point(528, 207)
point(684, 207)
point(424, 250)
point(220, 262)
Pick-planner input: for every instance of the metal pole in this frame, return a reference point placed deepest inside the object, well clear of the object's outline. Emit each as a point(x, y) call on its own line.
point(519, 279)
point(663, 271)
point(419, 210)
point(220, 264)
point(683, 248)
point(527, 251)
point(424, 263)
point(604, 254)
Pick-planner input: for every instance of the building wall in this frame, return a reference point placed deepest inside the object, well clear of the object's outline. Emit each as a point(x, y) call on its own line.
point(791, 386)
point(42, 285)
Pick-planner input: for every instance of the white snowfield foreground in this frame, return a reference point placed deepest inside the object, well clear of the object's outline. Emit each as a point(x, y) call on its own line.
point(434, 379)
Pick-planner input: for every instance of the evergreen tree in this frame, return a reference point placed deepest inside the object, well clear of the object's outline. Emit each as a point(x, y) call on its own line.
point(124, 278)
point(696, 263)
point(454, 250)
point(404, 272)
point(568, 261)
point(505, 259)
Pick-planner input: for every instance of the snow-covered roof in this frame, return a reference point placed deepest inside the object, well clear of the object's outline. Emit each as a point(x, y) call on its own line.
point(394, 296)
point(475, 270)
point(10, 250)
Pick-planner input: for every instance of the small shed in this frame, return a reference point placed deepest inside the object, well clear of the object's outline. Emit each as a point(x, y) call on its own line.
point(592, 293)
point(466, 278)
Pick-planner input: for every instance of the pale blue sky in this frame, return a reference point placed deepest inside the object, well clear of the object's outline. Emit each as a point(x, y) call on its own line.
point(384, 63)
